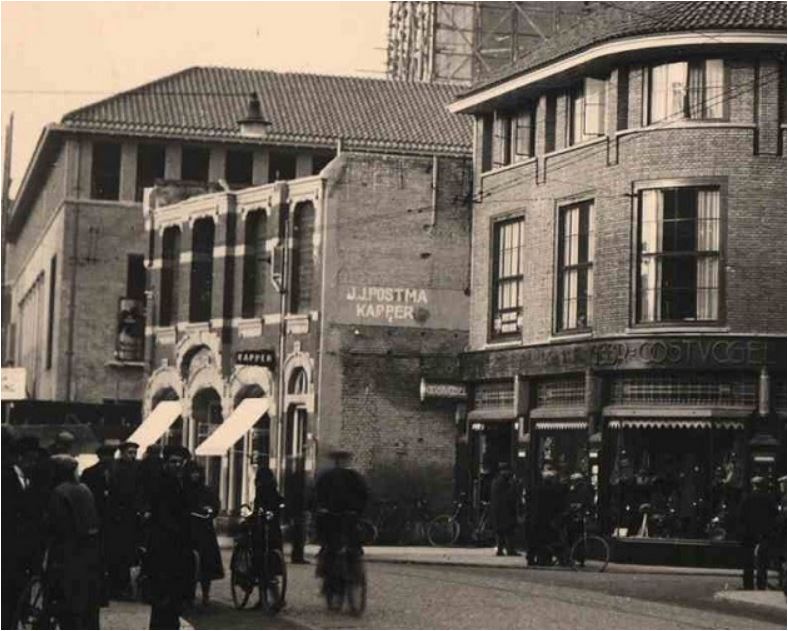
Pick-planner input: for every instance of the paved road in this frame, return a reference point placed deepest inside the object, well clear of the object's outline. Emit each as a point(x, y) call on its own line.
point(417, 596)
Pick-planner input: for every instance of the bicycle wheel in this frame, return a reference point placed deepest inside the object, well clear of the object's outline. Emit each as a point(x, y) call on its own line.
point(443, 530)
point(273, 582)
point(590, 554)
point(356, 587)
point(241, 581)
point(31, 610)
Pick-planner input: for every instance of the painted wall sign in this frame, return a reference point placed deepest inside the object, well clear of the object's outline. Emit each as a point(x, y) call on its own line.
point(265, 358)
point(401, 306)
point(684, 352)
point(442, 390)
point(14, 384)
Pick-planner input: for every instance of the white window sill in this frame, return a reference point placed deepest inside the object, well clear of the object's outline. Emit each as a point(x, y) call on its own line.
point(685, 124)
point(672, 330)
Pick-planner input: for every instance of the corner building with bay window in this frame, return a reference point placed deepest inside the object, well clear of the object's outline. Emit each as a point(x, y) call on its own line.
point(628, 299)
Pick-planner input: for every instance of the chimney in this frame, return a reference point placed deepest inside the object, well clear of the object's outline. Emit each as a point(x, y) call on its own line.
point(253, 124)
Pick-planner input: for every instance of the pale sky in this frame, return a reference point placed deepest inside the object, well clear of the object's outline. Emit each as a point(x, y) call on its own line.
point(58, 56)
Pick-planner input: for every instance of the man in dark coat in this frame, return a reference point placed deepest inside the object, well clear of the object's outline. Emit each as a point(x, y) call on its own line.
point(503, 509)
point(19, 519)
point(169, 563)
point(150, 471)
point(203, 509)
point(757, 520)
point(74, 572)
point(97, 478)
point(123, 504)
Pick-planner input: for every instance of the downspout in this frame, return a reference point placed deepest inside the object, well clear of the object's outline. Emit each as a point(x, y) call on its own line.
point(72, 304)
point(321, 341)
point(284, 218)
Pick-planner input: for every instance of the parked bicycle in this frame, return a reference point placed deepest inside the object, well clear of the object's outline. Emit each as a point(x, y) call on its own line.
point(586, 552)
point(256, 563)
point(415, 528)
point(343, 573)
point(445, 530)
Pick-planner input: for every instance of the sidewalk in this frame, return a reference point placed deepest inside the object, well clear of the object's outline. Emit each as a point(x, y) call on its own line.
point(129, 615)
point(485, 557)
point(773, 601)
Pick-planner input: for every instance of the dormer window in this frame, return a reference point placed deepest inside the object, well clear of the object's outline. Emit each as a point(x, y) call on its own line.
point(686, 90)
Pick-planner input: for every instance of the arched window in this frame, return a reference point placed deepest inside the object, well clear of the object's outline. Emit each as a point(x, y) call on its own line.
point(202, 271)
point(299, 382)
point(303, 260)
point(170, 253)
point(254, 270)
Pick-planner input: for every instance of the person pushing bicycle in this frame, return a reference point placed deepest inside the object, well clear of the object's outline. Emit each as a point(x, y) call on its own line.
point(341, 496)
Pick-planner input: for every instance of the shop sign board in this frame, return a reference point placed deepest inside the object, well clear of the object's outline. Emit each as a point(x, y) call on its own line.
point(670, 352)
point(14, 384)
point(261, 357)
point(453, 391)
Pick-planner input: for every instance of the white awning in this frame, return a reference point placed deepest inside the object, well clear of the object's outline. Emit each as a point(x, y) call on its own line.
point(562, 425)
point(153, 427)
point(240, 421)
point(675, 424)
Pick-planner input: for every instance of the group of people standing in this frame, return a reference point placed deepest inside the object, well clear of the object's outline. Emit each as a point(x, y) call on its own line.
point(84, 535)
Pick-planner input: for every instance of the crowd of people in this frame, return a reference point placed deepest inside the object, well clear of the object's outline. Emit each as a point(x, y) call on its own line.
point(91, 536)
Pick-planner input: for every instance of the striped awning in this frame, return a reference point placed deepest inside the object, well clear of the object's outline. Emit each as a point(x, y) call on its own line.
point(664, 423)
point(562, 425)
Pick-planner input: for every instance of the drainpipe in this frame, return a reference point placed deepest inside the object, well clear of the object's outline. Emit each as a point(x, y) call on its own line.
point(72, 303)
point(285, 232)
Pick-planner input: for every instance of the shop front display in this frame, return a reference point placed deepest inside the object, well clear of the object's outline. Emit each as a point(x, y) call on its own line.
point(561, 448)
point(675, 478)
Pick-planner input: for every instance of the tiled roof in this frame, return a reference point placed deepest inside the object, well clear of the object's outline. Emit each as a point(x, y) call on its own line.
point(207, 102)
point(615, 20)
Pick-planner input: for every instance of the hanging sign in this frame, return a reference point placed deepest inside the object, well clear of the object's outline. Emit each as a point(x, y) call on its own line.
point(456, 391)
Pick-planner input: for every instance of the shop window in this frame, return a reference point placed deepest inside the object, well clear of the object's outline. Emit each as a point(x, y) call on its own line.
point(320, 162)
point(195, 163)
point(676, 479)
point(493, 394)
point(561, 391)
point(281, 166)
point(693, 90)
point(170, 266)
point(575, 266)
point(563, 452)
point(51, 314)
point(201, 271)
point(586, 110)
point(238, 168)
point(679, 255)
point(303, 270)
point(105, 172)
point(736, 390)
point(485, 126)
point(150, 167)
point(507, 285)
point(255, 265)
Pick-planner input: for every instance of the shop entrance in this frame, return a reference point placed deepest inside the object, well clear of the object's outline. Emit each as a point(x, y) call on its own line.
point(491, 444)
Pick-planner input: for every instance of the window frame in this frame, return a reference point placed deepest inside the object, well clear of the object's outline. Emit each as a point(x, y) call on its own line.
point(577, 201)
point(648, 87)
point(201, 149)
point(721, 183)
point(99, 171)
point(492, 311)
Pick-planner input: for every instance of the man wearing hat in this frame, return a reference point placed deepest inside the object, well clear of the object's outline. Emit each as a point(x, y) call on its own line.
point(757, 520)
point(503, 509)
point(74, 572)
point(169, 564)
point(122, 528)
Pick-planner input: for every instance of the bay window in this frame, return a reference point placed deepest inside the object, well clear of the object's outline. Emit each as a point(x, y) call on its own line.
point(575, 263)
point(686, 89)
point(507, 281)
point(679, 255)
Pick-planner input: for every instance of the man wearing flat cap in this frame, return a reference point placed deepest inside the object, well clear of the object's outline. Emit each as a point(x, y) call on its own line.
point(122, 528)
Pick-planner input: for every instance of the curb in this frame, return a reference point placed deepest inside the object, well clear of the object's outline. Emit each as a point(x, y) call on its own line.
point(738, 597)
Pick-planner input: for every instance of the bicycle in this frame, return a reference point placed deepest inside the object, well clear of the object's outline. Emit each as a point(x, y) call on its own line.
point(344, 576)
point(34, 609)
point(414, 529)
point(589, 553)
point(264, 568)
point(444, 530)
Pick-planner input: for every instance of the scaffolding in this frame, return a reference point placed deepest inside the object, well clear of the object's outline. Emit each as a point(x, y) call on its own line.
point(461, 42)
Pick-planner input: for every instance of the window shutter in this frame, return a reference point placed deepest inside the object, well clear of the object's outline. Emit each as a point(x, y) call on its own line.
point(594, 113)
point(499, 141)
point(524, 137)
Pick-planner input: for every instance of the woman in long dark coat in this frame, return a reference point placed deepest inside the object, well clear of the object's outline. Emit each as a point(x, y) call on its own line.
point(203, 508)
point(74, 570)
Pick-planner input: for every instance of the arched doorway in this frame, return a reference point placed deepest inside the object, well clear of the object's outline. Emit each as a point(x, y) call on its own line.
point(175, 434)
point(206, 416)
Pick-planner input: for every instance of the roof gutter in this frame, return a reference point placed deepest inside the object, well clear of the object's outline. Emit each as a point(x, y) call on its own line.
point(472, 101)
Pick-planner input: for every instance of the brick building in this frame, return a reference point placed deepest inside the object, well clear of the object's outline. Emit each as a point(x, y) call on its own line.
point(628, 300)
point(295, 315)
